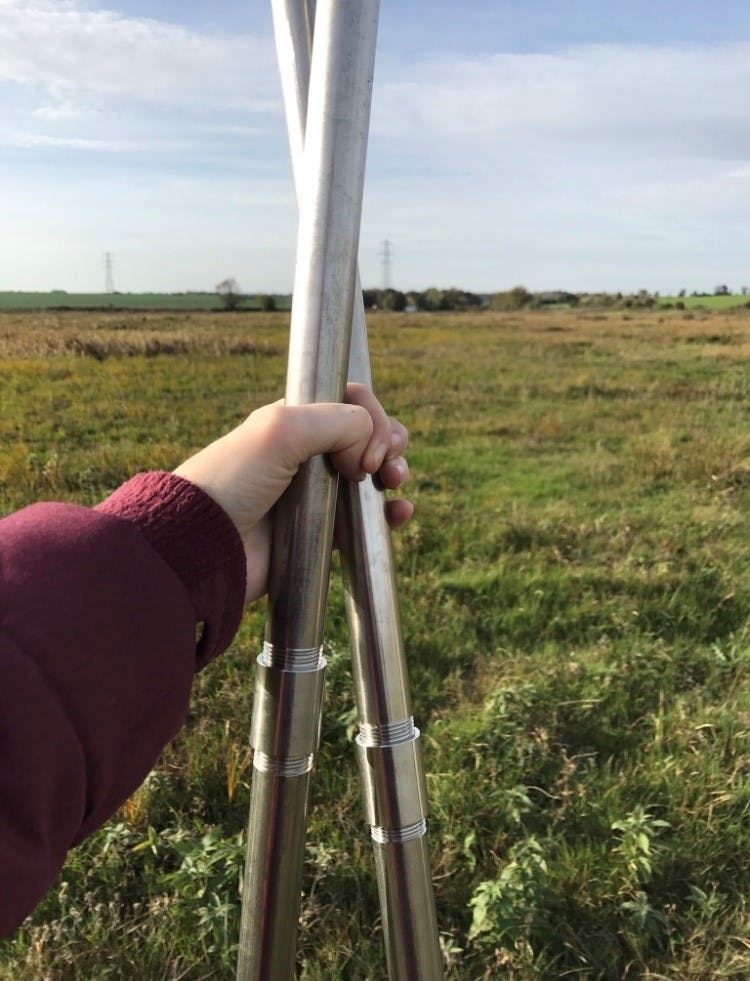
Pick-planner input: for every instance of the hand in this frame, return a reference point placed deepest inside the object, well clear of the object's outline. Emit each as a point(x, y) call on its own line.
point(249, 469)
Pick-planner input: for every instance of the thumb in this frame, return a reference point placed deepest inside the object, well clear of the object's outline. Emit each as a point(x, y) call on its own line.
point(341, 430)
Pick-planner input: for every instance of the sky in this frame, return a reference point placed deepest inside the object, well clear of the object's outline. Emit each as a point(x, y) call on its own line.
point(581, 145)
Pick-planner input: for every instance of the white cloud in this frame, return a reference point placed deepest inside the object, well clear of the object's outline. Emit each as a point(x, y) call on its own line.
point(65, 109)
point(683, 96)
point(22, 140)
point(71, 52)
point(84, 82)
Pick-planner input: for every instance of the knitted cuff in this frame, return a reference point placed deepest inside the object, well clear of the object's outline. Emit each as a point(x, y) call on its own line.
point(197, 539)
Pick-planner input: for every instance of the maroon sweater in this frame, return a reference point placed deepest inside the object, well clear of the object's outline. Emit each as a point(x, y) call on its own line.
point(98, 617)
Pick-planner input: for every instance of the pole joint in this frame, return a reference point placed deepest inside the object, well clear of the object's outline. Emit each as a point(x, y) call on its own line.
point(287, 710)
point(394, 789)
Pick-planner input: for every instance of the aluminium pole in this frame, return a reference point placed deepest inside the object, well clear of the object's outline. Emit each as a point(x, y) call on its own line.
point(388, 742)
point(289, 683)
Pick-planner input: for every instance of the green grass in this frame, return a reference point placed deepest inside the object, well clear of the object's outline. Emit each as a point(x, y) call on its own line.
point(575, 599)
point(721, 302)
point(61, 299)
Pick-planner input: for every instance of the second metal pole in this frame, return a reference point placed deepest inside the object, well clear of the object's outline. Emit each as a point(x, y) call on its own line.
point(388, 744)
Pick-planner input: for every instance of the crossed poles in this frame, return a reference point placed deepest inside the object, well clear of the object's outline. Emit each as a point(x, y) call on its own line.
point(327, 93)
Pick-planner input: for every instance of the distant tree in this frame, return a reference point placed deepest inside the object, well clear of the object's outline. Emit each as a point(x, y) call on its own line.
point(514, 299)
point(266, 302)
point(430, 299)
point(455, 299)
point(722, 290)
point(556, 298)
point(391, 300)
point(605, 300)
point(229, 294)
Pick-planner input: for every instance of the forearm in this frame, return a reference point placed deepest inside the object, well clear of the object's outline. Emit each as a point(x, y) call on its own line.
point(97, 652)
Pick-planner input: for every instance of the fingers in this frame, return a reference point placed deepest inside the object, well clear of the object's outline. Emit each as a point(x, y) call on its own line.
point(384, 453)
point(393, 473)
point(399, 439)
point(398, 512)
point(389, 438)
point(380, 455)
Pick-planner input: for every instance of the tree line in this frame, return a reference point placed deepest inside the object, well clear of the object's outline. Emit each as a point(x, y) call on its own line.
point(436, 299)
point(455, 299)
point(429, 299)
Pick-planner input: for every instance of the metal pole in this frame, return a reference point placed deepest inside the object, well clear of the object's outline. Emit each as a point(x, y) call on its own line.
point(388, 741)
point(289, 687)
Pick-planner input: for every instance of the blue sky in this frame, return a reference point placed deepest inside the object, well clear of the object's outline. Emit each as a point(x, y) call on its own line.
point(589, 145)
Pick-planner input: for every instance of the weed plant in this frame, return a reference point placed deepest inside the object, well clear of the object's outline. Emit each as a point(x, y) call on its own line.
point(575, 599)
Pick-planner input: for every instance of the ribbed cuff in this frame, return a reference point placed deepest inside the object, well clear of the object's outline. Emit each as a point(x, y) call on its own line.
point(198, 540)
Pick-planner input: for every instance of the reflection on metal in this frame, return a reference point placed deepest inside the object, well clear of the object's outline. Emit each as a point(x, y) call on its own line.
point(327, 92)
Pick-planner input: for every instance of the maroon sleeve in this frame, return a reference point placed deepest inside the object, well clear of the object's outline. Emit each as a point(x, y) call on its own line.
point(98, 617)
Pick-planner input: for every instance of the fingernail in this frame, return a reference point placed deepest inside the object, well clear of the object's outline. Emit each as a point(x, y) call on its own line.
point(400, 466)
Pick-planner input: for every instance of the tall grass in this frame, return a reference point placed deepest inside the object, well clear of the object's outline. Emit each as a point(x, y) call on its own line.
point(575, 602)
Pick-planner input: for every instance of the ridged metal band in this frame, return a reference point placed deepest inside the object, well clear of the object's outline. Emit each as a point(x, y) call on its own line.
point(292, 659)
point(396, 836)
point(295, 766)
point(388, 733)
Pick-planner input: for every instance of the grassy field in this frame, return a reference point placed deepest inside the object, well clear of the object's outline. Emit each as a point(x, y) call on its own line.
point(721, 302)
point(60, 299)
point(576, 606)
